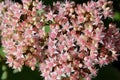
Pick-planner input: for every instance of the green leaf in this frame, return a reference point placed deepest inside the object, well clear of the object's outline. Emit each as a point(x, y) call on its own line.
point(39, 12)
point(4, 75)
point(47, 28)
point(1, 52)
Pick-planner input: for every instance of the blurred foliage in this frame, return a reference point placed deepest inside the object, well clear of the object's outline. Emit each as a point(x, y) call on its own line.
point(2, 54)
point(117, 16)
point(106, 73)
point(25, 74)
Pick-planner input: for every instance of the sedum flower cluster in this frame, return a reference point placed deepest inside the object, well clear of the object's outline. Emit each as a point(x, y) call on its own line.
point(66, 41)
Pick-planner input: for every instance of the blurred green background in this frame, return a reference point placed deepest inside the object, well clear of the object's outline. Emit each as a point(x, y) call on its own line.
point(109, 72)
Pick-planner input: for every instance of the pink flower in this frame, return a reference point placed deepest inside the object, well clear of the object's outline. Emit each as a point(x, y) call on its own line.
point(40, 6)
point(88, 78)
point(16, 65)
point(63, 57)
point(51, 50)
point(59, 71)
point(61, 47)
point(42, 66)
point(54, 76)
point(67, 69)
point(94, 72)
point(50, 16)
point(53, 35)
point(88, 63)
point(10, 60)
point(76, 43)
point(45, 74)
